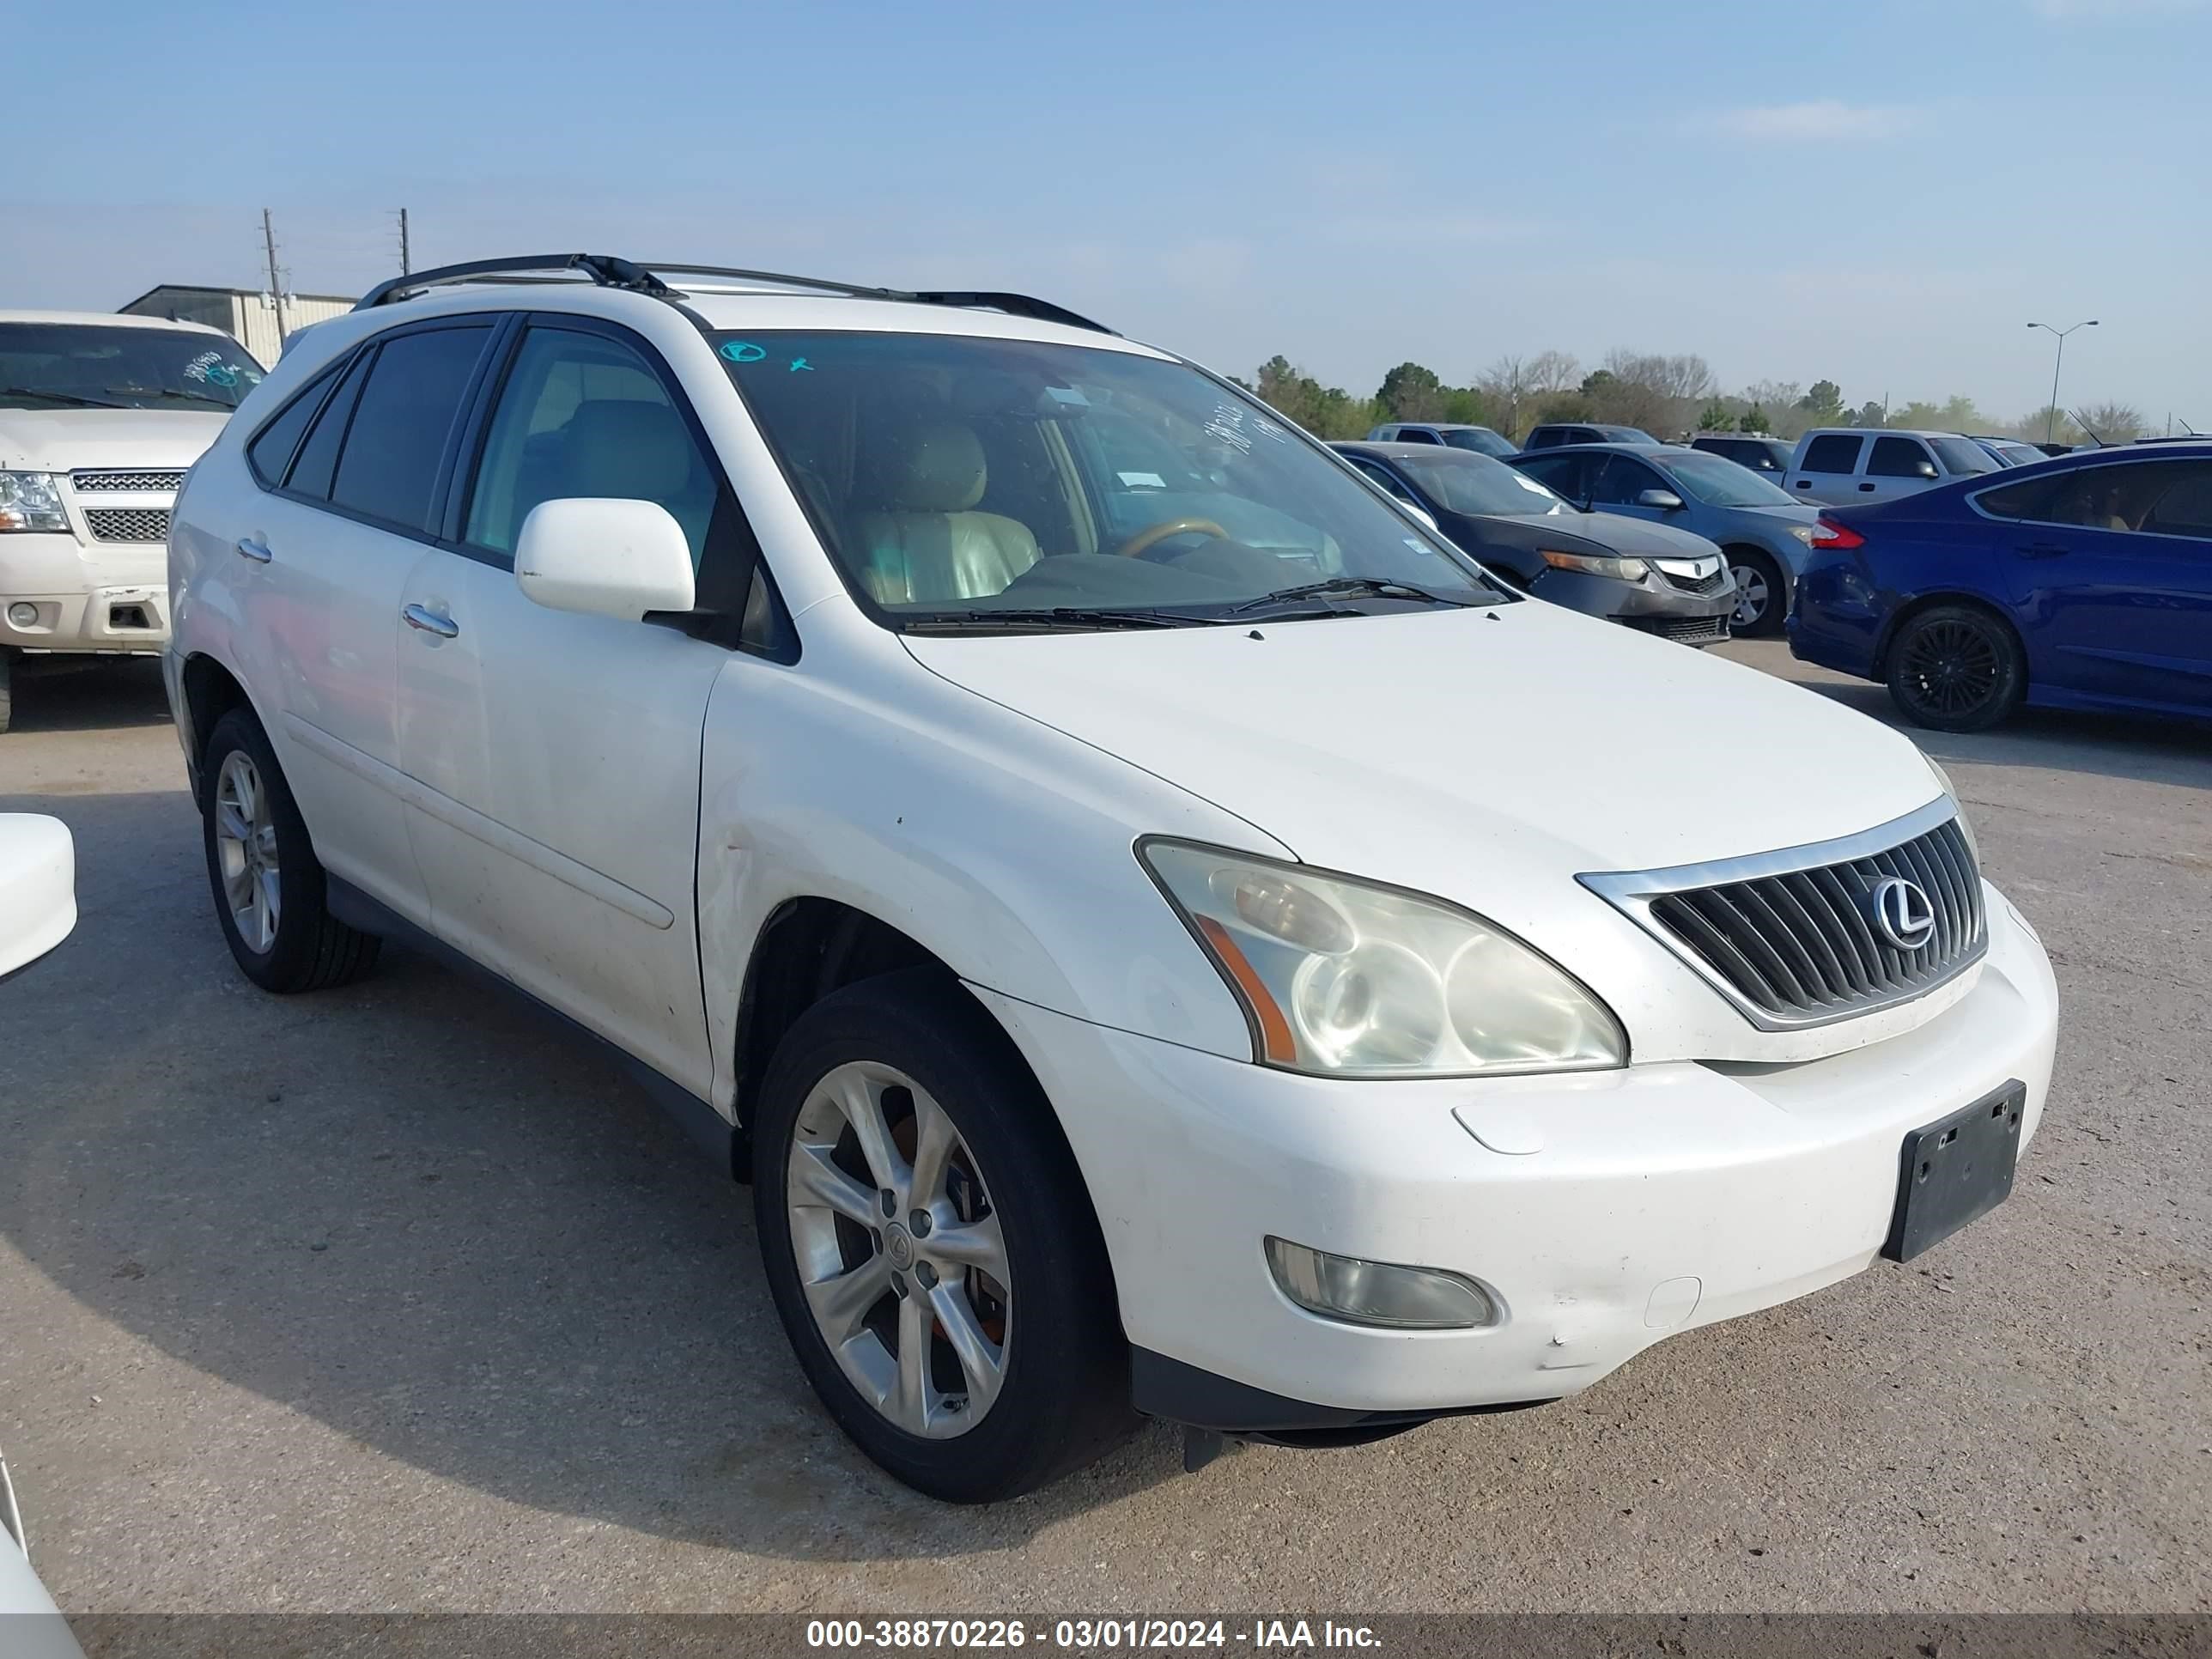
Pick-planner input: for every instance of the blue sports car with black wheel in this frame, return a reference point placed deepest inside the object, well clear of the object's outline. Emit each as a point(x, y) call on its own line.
point(2083, 582)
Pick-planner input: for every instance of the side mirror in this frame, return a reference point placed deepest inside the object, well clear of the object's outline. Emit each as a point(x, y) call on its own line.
point(604, 558)
point(1665, 500)
point(1924, 470)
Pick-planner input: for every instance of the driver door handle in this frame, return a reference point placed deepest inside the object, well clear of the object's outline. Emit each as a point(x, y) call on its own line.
point(430, 621)
point(252, 548)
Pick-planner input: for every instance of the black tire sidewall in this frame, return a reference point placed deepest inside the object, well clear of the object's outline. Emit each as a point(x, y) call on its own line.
point(289, 964)
point(1065, 1396)
point(2012, 675)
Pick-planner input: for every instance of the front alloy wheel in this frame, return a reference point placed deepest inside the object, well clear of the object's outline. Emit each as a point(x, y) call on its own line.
point(1759, 596)
point(899, 1250)
point(931, 1245)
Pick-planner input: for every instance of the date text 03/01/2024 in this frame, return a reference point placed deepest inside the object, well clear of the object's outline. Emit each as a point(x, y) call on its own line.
point(1084, 1633)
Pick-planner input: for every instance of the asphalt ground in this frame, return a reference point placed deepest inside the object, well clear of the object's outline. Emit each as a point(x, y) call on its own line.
point(397, 1298)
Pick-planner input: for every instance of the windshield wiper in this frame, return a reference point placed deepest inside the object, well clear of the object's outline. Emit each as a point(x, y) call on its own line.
point(1349, 587)
point(69, 398)
point(1063, 618)
point(170, 391)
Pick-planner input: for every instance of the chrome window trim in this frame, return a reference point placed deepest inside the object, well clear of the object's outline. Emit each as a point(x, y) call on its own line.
point(1974, 497)
point(1630, 892)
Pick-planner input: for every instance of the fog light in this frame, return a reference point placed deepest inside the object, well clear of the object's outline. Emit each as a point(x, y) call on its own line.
point(1378, 1292)
point(23, 614)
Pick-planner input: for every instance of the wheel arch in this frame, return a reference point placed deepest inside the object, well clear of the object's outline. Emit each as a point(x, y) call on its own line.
point(210, 691)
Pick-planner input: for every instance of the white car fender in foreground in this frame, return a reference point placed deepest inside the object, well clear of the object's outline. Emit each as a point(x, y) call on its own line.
point(38, 908)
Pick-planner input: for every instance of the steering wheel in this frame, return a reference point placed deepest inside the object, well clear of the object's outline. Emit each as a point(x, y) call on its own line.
point(1145, 540)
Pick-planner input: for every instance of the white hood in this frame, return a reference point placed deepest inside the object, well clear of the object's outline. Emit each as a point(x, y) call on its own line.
point(61, 440)
point(1454, 753)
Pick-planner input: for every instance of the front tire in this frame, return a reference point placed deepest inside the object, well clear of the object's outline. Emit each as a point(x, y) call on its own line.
point(931, 1247)
point(270, 891)
point(1762, 594)
point(1956, 668)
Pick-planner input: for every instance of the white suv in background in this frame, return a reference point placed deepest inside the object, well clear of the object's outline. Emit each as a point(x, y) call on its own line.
point(1838, 466)
point(100, 416)
point(1059, 905)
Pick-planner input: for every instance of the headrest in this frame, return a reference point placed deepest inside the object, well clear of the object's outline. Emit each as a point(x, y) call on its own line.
point(626, 449)
point(929, 466)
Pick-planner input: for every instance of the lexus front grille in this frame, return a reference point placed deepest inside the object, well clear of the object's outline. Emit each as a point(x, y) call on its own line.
point(127, 524)
point(1818, 933)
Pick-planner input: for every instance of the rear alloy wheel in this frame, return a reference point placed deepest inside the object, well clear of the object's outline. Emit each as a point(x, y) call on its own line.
point(1761, 596)
point(268, 885)
point(930, 1246)
point(1956, 668)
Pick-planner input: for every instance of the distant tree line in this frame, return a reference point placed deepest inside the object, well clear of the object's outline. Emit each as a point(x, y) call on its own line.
point(1667, 396)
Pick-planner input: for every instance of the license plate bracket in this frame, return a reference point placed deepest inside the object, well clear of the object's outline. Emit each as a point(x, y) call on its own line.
point(1955, 1170)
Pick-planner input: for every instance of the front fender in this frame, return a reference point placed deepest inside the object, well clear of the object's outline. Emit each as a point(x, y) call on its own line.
point(1002, 846)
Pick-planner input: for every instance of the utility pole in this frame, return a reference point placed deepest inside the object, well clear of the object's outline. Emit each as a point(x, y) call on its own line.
point(275, 287)
point(405, 265)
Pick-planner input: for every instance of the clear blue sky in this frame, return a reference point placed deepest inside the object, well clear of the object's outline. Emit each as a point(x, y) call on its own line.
point(1882, 192)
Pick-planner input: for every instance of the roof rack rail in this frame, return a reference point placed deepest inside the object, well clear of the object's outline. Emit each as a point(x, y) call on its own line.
point(603, 269)
point(641, 276)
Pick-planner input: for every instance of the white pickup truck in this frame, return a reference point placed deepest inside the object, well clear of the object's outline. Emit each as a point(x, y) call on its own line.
point(100, 416)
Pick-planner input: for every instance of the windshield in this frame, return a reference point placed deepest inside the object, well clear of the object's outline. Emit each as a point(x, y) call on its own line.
point(1719, 482)
point(1480, 439)
point(1963, 455)
point(958, 481)
point(1475, 483)
point(89, 366)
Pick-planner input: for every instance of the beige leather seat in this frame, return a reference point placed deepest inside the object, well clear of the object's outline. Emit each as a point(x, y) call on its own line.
point(921, 541)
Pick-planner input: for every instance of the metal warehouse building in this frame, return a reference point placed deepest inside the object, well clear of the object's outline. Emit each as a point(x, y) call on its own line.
point(244, 314)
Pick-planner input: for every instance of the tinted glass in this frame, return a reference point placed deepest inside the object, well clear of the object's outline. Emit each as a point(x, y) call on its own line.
point(1896, 457)
point(318, 456)
point(1464, 483)
point(114, 366)
point(954, 479)
point(1963, 457)
point(271, 452)
point(583, 415)
point(1618, 481)
point(1837, 452)
point(1719, 482)
point(1625, 434)
point(1546, 437)
point(2170, 498)
point(1414, 435)
point(1384, 477)
point(1561, 474)
point(389, 467)
point(1480, 439)
point(2020, 501)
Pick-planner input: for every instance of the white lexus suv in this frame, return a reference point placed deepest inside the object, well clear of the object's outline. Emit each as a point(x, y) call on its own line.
point(1159, 940)
point(99, 418)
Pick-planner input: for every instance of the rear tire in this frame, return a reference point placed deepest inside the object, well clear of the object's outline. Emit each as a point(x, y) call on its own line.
point(1956, 668)
point(1762, 594)
point(974, 1376)
point(270, 895)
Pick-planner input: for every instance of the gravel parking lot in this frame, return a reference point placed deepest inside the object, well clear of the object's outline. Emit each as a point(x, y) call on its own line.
point(395, 1298)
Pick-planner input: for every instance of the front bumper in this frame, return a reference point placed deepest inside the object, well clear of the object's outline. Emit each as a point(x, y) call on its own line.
point(1605, 1211)
point(111, 596)
point(1652, 604)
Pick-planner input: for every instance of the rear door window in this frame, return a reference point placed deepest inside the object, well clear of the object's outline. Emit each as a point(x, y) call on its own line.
point(388, 469)
point(271, 452)
point(1561, 474)
point(1414, 435)
point(1896, 457)
point(2183, 508)
point(1833, 452)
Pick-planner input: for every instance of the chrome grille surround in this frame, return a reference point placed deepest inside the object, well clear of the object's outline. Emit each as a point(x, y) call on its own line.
point(92, 481)
point(1783, 935)
point(128, 524)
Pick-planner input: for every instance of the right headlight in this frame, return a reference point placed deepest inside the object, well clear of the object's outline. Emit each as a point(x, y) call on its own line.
point(1345, 978)
point(1595, 564)
point(31, 501)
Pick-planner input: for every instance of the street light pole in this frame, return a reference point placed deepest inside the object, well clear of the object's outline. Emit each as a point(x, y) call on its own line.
point(2050, 414)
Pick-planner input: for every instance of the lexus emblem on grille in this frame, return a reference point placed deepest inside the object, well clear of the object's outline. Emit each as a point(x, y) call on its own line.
point(1900, 913)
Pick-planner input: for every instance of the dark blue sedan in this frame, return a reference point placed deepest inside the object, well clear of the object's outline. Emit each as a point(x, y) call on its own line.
point(2083, 582)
